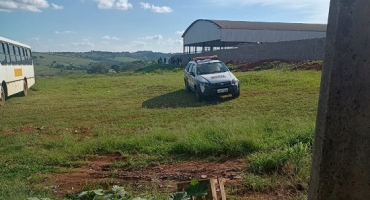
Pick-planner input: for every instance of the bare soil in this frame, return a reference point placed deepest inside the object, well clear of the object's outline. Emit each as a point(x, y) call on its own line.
point(159, 177)
point(299, 65)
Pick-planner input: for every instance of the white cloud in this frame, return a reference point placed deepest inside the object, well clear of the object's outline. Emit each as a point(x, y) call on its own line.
point(174, 41)
point(56, 7)
point(155, 37)
point(105, 4)
point(145, 6)
point(114, 4)
point(107, 37)
point(156, 9)
point(180, 32)
point(86, 39)
point(138, 45)
point(158, 44)
point(28, 5)
point(316, 11)
point(63, 32)
point(35, 38)
point(123, 5)
point(168, 45)
point(83, 44)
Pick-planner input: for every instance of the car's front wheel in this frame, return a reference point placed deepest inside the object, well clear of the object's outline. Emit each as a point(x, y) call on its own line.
point(187, 88)
point(236, 94)
point(198, 95)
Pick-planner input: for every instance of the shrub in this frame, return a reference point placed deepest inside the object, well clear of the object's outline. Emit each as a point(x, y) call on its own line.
point(290, 158)
point(267, 162)
point(259, 183)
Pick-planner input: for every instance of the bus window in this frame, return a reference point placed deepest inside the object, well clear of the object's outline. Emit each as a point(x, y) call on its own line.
point(7, 56)
point(2, 54)
point(17, 55)
point(12, 54)
point(29, 56)
point(21, 49)
point(25, 56)
point(21, 54)
point(29, 53)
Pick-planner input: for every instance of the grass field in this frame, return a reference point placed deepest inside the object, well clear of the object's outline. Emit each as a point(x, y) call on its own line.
point(44, 60)
point(124, 59)
point(64, 120)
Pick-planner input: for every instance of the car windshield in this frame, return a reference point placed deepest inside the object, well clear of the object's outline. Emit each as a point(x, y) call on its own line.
point(211, 68)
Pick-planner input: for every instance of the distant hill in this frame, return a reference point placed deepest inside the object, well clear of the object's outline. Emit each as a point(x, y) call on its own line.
point(120, 56)
point(54, 63)
point(45, 59)
point(47, 64)
point(149, 55)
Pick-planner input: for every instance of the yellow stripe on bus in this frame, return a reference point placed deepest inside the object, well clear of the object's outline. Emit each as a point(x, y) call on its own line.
point(17, 72)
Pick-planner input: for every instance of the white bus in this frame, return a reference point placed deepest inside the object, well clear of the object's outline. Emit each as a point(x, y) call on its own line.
point(16, 69)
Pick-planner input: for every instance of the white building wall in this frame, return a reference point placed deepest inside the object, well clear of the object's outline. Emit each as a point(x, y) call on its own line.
point(202, 31)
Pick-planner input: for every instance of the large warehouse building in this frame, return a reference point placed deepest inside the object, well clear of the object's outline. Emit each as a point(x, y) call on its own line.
point(205, 35)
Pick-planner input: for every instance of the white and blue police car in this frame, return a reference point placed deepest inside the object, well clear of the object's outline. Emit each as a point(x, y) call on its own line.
point(207, 76)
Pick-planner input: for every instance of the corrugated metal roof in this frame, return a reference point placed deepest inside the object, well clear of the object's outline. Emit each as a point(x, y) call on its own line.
point(226, 24)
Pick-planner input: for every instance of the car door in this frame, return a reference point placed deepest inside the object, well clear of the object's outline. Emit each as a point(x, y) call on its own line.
point(191, 76)
point(187, 72)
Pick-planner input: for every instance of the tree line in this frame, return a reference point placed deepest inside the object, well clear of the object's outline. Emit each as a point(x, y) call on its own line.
point(101, 67)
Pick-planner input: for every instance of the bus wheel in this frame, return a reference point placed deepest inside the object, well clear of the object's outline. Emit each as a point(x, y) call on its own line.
point(25, 88)
point(2, 96)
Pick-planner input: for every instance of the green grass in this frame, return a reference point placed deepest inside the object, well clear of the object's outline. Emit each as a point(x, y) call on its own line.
point(44, 71)
point(124, 59)
point(160, 68)
point(44, 59)
point(43, 62)
point(66, 119)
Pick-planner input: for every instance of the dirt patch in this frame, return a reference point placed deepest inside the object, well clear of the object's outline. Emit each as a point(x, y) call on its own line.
point(163, 176)
point(159, 177)
point(23, 129)
point(250, 66)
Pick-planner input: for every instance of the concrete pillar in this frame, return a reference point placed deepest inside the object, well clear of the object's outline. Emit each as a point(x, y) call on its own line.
point(341, 154)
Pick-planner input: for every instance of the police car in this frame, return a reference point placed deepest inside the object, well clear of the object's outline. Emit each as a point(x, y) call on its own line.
point(207, 76)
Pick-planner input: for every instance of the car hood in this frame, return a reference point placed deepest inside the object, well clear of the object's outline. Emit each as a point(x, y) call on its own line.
point(218, 77)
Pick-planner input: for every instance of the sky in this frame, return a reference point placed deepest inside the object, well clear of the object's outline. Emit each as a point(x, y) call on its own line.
point(136, 25)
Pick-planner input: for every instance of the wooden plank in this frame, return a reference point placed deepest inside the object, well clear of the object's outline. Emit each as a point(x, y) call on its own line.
point(212, 184)
point(221, 182)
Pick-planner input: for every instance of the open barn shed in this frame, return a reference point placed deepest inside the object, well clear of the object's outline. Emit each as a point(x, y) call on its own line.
point(205, 35)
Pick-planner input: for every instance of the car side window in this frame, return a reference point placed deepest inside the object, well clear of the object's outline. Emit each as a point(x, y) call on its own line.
point(189, 69)
point(194, 69)
point(188, 66)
